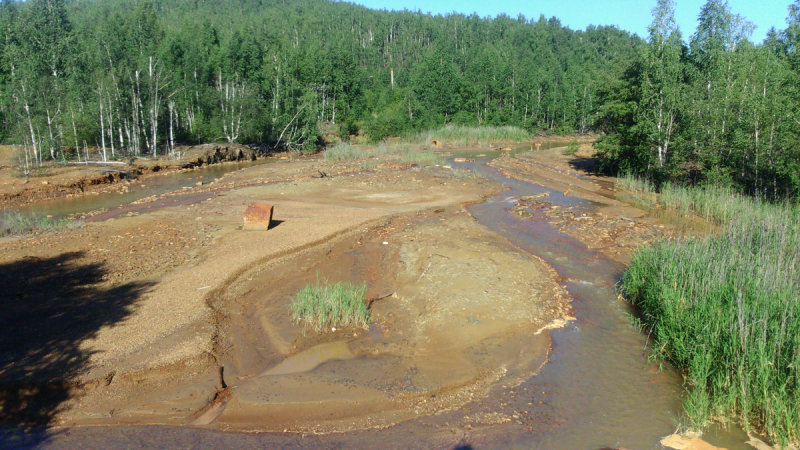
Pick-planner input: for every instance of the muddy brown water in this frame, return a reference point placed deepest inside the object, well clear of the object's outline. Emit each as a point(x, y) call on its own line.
point(598, 389)
point(137, 190)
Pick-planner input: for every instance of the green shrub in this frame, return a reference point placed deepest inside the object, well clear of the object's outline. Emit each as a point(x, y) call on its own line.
point(572, 148)
point(347, 128)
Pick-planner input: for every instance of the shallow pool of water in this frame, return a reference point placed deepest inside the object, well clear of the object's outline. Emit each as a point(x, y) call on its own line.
point(137, 190)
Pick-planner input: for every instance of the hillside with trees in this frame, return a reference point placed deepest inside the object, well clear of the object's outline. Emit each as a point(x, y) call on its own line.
point(137, 78)
point(716, 108)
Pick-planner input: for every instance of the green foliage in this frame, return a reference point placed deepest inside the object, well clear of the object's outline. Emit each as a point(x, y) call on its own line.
point(19, 224)
point(347, 128)
point(722, 308)
point(572, 148)
point(694, 112)
point(325, 305)
point(135, 78)
point(470, 135)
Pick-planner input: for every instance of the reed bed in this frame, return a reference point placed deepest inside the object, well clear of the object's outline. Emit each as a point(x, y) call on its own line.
point(325, 305)
point(724, 309)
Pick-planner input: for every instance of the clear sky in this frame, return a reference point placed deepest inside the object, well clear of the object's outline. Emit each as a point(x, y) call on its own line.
point(631, 15)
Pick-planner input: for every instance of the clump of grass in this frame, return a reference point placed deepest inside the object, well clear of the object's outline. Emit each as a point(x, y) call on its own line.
point(367, 166)
point(724, 309)
point(407, 153)
point(13, 223)
point(423, 159)
point(645, 193)
point(572, 148)
point(324, 305)
point(344, 151)
point(464, 135)
point(719, 204)
point(394, 149)
point(634, 183)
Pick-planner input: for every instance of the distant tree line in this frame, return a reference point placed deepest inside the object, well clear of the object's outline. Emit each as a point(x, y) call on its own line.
point(717, 108)
point(140, 77)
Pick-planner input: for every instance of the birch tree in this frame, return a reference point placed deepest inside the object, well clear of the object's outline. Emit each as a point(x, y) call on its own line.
point(662, 83)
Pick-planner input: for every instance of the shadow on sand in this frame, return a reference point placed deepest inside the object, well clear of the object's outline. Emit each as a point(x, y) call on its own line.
point(48, 307)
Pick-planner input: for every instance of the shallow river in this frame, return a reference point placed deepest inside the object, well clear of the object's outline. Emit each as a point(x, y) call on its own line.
point(111, 201)
point(598, 390)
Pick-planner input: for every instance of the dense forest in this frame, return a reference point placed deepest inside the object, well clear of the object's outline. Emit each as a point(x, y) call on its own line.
point(141, 77)
point(716, 109)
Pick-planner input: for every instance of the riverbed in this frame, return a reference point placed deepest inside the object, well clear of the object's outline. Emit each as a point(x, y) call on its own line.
point(590, 385)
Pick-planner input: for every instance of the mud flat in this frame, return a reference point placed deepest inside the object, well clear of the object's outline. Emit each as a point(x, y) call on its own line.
point(463, 273)
point(456, 308)
point(174, 315)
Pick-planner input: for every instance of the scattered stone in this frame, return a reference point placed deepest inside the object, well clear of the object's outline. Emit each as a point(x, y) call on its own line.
point(678, 442)
point(258, 216)
point(437, 144)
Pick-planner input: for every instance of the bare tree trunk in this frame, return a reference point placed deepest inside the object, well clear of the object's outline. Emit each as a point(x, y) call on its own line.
point(154, 72)
point(75, 134)
point(110, 124)
point(50, 132)
point(171, 106)
point(30, 125)
point(102, 128)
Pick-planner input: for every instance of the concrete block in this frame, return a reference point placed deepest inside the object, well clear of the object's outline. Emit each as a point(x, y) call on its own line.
point(258, 216)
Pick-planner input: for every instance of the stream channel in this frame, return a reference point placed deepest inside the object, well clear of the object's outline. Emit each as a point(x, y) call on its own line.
point(598, 390)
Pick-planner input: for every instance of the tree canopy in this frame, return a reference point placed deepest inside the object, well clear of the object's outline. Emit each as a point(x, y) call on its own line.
point(140, 77)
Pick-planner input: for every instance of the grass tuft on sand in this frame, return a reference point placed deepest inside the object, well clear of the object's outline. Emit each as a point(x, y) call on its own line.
point(13, 223)
point(325, 305)
point(724, 309)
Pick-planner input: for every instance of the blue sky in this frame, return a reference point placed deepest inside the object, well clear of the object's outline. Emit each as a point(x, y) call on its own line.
point(631, 15)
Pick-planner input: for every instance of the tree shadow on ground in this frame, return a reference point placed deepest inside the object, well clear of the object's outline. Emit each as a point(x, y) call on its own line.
point(584, 164)
point(48, 308)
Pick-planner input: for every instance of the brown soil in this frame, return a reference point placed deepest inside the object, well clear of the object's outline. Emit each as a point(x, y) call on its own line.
point(167, 312)
point(173, 314)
